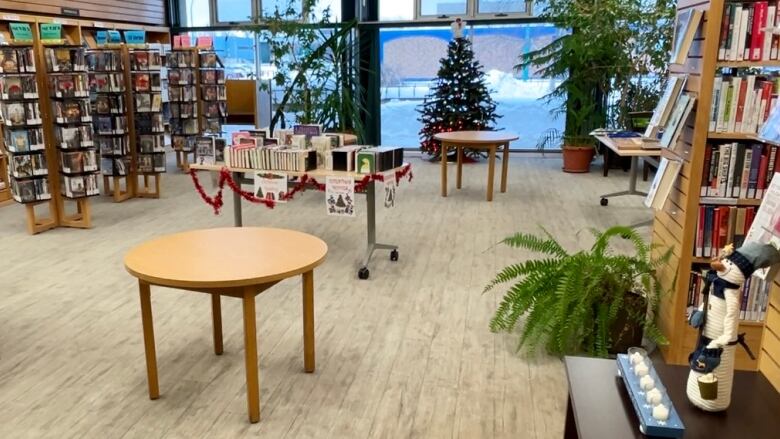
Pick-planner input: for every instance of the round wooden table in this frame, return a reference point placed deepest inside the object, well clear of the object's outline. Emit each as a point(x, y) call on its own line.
point(489, 140)
point(235, 262)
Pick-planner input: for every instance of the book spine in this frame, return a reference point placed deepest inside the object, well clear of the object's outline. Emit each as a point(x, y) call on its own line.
point(706, 177)
point(712, 191)
point(733, 171)
point(766, 53)
point(766, 98)
point(723, 171)
point(742, 37)
point(770, 168)
point(740, 113)
point(755, 164)
point(724, 33)
point(748, 32)
point(708, 231)
point(775, 37)
point(723, 104)
point(757, 31)
point(728, 105)
point(749, 102)
point(700, 234)
point(744, 180)
point(716, 219)
point(734, 24)
point(715, 103)
point(762, 171)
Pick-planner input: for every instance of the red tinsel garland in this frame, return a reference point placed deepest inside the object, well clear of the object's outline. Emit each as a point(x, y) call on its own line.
point(216, 202)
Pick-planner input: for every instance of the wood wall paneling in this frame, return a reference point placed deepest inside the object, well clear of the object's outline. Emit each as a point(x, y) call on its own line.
point(151, 12)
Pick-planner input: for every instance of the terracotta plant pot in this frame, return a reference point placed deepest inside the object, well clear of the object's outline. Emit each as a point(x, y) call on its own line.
point(577, 159)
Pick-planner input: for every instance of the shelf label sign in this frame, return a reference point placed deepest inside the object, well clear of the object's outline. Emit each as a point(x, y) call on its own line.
point(51, 31)
point(11, 17)
point(135, 36)
point(101, 37)
point(114, 37)
point(21, 32)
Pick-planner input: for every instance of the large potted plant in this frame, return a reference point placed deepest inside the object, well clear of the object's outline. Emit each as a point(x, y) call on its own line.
point(613, 50)
point(597, 301)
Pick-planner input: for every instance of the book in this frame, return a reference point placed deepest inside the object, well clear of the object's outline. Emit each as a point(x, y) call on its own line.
point(677, 121)
point(662, 185)
point(686, 26)
point(674, 87)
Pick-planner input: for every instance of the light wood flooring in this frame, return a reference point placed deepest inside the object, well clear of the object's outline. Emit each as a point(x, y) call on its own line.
point(405, 354)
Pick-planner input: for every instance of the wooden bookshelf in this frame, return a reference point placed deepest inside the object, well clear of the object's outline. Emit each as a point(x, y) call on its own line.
point(730, 201)
point(747, 64)
point(66, 212)
point(675, 227)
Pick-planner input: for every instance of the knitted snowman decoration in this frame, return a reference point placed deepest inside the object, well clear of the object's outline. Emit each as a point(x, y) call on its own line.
point(713, 359)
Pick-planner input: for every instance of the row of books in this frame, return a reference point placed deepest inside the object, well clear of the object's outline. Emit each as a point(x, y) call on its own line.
point(107, 82)
point(183, 76)
point(148, 102)
point(151, 123)
point(151, 143)
point(738, 170)
point(30, 191)
point(78, 162)
point(183, 110)
point(65, 59)
point(109, 125)
point(75, 137)
point(18, 86)
point(146, 81)
point(72, 111)
point(79, 186)
point(744, 34)
point(24, 140)
point(151, 163)
point(270, 158)
point(28, 165)
point(184, 127)
point(114, 166)
point(112, 146)
point(109, 104)
point(181, 59)
point(719, 226)
point(753, 303)
point(69, 85)
point(17, 60)
point(19, 114)
point(145, 60)
point(741, 104)
point(105, 60)
point(182, 93)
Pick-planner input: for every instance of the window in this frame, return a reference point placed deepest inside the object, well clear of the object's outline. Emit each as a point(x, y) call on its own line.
point(236, 49)
point(195, 13)
point(270, 6)
point(498, 7)
point(396, 10)
point(406, 81)
point(233, 11)
point(442, 8)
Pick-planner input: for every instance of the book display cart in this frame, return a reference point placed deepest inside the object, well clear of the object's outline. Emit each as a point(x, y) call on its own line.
point(709, 188)
point(145, 71)
point(213, 93)
point(50, 127)
point(183, 93)
point(108, 92)
point(5, 181)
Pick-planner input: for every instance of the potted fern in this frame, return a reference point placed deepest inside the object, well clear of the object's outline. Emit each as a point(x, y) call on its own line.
point(595, 301)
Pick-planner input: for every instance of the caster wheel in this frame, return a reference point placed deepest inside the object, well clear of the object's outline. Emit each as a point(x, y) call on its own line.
point(604, 201)
point(394, 255)
point(363, 273)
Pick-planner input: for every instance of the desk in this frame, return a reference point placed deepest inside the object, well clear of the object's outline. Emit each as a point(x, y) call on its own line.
point(489, 140)
point(599, 406)
point(623, 148)
point(233, 262)
point(319, 174)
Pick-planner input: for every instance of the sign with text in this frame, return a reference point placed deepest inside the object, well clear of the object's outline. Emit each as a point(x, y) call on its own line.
point(135, 36)
point(21, 32)
point(114, 37)
point(101, 37)
point(51, 31)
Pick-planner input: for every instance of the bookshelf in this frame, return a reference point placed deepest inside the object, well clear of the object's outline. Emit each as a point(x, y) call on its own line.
point(183, 99)
point(51, 202)
point(5, 181)
point(147, 122)
point(675, 226)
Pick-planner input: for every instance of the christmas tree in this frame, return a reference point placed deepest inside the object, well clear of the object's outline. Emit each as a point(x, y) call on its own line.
point(460, 100)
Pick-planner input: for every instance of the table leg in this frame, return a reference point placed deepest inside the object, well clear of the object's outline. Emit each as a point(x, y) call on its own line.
point(250, 354)
point(460, 167)
point(151, 354)
point(308, 321)
point(216, 317)
point(632, 174)
point(237, 216)
point(491, 172)
point(504, 167)
point(443, 169)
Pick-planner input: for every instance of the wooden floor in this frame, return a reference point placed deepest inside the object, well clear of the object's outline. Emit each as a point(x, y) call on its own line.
point(405, 354)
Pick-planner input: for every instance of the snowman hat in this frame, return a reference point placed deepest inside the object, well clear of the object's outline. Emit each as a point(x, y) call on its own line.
point(753, 256)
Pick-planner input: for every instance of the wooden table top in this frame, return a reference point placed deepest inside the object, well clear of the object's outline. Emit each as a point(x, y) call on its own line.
point(627, 146)
point(477, 137)
point(225, 257)
point(603, 409)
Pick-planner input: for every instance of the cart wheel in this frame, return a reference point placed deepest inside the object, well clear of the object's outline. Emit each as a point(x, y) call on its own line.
point(604, 201)
point(363, 273)
point(394, 255)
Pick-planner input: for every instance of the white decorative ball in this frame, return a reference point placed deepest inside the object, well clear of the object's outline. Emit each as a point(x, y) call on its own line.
point(660, 412)
point(641, 369)
point(654, 397)
point(647, 383)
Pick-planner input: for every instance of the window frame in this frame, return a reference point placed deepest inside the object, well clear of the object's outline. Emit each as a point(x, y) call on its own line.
point(472, 12)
